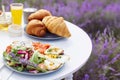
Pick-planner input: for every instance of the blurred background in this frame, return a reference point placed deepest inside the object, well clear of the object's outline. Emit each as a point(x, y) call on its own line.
point(101, 20)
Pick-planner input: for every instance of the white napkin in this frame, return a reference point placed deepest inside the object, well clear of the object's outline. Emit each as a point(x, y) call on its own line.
point(1, 60)
point(1, 63)
point(5, 73)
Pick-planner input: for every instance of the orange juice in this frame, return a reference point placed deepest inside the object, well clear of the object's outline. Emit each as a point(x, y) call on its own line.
point(16, 11)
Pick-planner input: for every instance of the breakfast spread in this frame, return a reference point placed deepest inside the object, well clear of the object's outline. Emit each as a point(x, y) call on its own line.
point(42, 21)
point(34, 57)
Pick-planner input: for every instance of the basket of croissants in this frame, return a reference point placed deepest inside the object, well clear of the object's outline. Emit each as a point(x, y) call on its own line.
point(42, 21)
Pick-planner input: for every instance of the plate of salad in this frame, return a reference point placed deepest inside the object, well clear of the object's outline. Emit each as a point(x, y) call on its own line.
point(34, 58)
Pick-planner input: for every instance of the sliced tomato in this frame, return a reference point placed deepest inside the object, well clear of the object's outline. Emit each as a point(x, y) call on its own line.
point(40, 47)
point(46, 46)
point(8, 49)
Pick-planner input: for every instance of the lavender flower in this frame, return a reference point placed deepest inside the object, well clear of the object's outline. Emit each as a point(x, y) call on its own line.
point(112, 10)
point(116, 58)
point(86, 77)
point(102, 77)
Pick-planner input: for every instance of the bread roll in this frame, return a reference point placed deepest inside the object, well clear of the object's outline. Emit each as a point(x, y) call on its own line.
point(40, 14)
point(36, 27)
point(56, 25)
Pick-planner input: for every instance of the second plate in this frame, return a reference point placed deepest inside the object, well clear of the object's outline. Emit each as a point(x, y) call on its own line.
point(48, 36)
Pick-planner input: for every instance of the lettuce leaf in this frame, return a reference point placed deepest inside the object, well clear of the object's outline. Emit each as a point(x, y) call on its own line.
point(6, 56)
point(36, 58)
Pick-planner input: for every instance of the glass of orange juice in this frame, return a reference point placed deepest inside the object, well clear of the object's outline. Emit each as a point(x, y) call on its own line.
point(17, 12)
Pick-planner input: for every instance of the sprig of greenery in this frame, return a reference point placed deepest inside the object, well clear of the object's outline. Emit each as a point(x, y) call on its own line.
point(19, 1)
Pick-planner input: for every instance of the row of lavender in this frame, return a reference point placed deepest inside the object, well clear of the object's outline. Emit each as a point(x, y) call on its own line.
point(101, 20)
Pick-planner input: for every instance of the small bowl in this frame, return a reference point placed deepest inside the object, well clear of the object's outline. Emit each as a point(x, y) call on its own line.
point(27, 12)
point(15, 30)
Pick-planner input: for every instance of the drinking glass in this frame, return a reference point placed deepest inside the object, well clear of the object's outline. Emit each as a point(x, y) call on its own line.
point(17, 12)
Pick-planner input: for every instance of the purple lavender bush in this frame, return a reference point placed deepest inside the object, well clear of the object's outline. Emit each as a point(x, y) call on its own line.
point(90, 15)
point(101, 20)
point(104, 61)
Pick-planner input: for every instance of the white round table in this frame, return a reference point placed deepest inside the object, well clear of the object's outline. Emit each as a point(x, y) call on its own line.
point(78, 46)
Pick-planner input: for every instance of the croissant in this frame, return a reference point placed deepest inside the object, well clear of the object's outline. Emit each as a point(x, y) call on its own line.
point(56, 25)
point(40, 14)
point(36, 28)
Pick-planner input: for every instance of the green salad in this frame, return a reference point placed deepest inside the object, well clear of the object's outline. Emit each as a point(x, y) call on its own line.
point(34, 57)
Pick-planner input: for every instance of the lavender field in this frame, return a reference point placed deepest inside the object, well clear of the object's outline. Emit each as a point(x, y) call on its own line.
point(101, 20)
